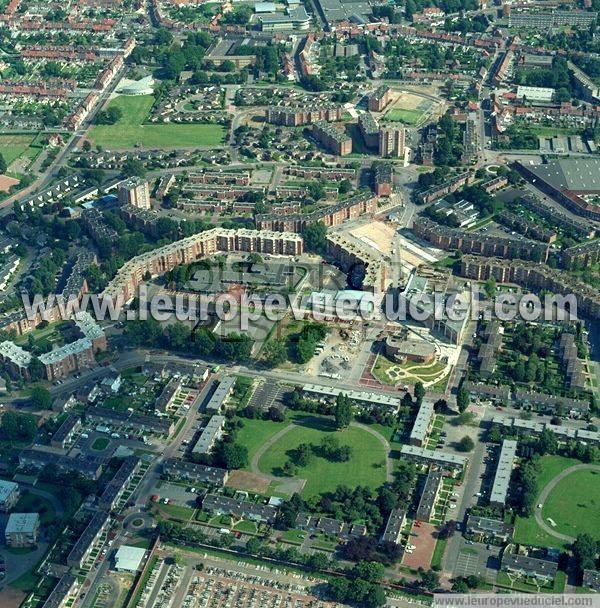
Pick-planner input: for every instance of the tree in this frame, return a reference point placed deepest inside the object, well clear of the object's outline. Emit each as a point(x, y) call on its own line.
point(274, 353)
point(232, 455)
point(303, 454)
point(462, 398)
point(133, 167)
point(584, 550)
point(343, 411)
point(315, 237)
point(18, 427)
point(41, 398)
point(3, 165)
point(419, 393)
point(368, 571)
point(460, 586)
point(466, 444)
point(547, 443)
point(490, 288)
point(430, 580)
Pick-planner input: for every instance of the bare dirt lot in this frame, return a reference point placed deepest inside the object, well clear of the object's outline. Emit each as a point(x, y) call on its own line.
point(244, 480)
point(377, 235)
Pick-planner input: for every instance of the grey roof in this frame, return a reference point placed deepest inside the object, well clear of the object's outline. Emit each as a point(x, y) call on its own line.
point(576, 174)
point(503, 472)
point(443, 459)
point(22, 523)
point(430, 492)
point(196, 472)
point(534, 566)
point(6, 489)
point(488, 525)
point(209, 435)
point(60, 592)
point(393, 526)
point(221, 392)
point(80, 549)
point(422, 421)
point(240, 509)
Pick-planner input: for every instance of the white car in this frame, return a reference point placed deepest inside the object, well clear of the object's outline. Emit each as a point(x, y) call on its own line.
point(452, 506)
point(408, 551)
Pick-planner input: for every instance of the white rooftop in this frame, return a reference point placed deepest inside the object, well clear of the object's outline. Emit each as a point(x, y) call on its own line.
point(129, 558)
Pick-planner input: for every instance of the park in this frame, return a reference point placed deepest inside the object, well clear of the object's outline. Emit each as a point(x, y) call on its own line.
point(132, 131)
point(569, 492)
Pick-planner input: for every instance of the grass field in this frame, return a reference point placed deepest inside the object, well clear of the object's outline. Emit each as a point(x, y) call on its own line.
point(130, 130)
point(32, 503)
point(526, 529)
point(14, 146)
point(574, 504)
point(365, 467)
point(408, 117)
point(101, 443)
point(255, 432)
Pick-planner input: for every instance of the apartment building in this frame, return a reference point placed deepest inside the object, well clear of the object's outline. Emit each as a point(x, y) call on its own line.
point(379, 98)
point(22, 530)
point(451, 185)
point(85, 543)
point(369, 129)
point(392, 142)
point(533, 276)
point(15, 359)
point(134, 191)
point(9, 495)
point(503, 474)
point(448, 238)
point(351, 253)
point(197, 246)
point(333, 215)
point(546, 20)
point(297, 116)
point(211, 433)
point(332, 138)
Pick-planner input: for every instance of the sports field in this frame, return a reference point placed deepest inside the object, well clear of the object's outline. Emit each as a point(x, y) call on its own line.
point(130, 130)
point(408, 117)
point(366, 466)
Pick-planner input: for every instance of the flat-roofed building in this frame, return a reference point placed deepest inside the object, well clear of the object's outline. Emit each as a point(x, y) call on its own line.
point(402, 349)
point(15, 359)
point(219, 396)
point(392, 142)
point(486, 529)
point(22, 530)
point(336, 141)
point(501, 484)
point(134, 191)
point(444, 460)
point(543, 94)
point(195, 473)
point(65, 432)
point(524, 565)
point(422, 424)
point(379, 98)
point(211, 433)
point(431, 489)
point(9, 494)
point(393, 527)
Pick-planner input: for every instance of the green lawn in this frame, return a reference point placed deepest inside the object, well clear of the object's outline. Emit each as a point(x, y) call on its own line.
point(14, 146)
point(574, 504)
point(130, 130)
point(526, 529)
point(438, 552)
point(101, 443)
point(255, 432)
point(408, 117)
point(365, 467)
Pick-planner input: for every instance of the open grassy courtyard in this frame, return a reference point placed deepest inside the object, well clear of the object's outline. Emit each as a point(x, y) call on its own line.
point(562, 502)
point(574, 504)
point(366, 465)
point(130, 130)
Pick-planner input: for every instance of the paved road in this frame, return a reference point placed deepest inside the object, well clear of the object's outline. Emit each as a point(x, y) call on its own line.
point(546, 491)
